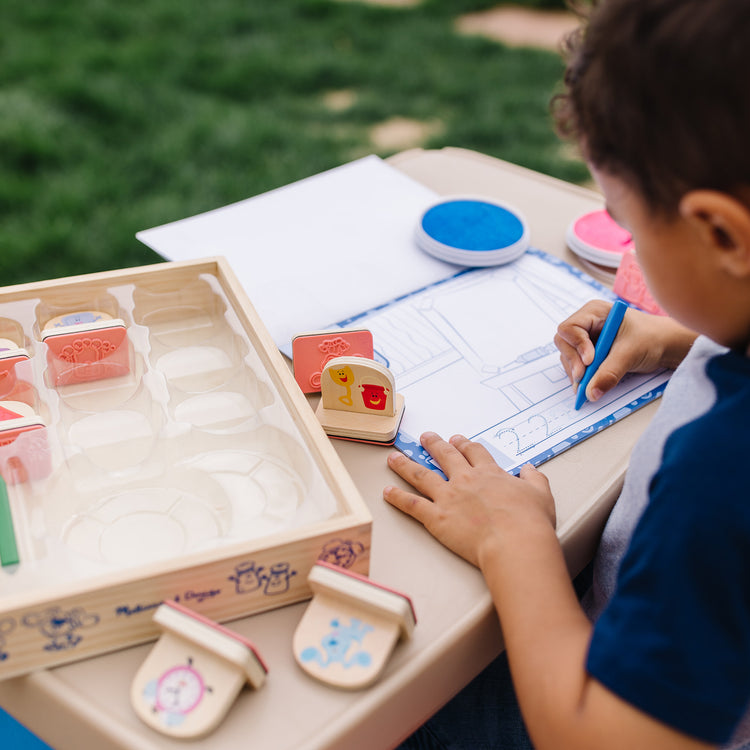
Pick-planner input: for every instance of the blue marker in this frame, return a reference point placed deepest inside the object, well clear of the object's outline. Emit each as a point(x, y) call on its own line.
point(603, 345)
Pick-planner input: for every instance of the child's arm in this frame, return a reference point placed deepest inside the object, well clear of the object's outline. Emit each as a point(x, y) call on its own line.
point(505, 525)
point(644, 343)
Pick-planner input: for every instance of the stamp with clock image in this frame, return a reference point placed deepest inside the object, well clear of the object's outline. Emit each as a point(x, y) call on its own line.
point(193, 674)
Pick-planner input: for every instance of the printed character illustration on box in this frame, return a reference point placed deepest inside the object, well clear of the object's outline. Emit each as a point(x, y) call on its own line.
point(60, 626)
point(248, 577)
point(279, 578)
point(341, 552)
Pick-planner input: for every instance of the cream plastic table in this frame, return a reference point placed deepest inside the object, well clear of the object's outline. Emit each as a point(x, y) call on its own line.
point(85, 705)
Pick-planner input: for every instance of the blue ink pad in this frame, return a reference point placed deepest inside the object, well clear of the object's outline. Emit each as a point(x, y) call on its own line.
point(473, 232)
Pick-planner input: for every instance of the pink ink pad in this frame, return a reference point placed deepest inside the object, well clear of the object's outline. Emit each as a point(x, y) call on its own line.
point(598, 238)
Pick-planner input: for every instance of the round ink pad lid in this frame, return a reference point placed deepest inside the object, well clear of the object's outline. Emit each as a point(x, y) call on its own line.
point(473, 231)
point(598, 238)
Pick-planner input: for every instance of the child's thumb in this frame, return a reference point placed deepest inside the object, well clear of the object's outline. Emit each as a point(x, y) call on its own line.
point(605, 379)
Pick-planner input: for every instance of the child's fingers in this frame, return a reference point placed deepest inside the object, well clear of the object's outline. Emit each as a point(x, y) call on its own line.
point(611, 371)
point(529, 473)
point(475, 453)
point(575, 335)
point(588, 320)
point(570, 359)
point(448, 457)
point(421, 478)
point(534, 477)
point(419, 508)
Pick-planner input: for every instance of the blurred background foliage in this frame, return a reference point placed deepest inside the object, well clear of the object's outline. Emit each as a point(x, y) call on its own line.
point(120, 116)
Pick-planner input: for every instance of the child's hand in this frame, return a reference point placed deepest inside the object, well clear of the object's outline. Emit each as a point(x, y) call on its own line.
point(477, 504)
point(644, 343)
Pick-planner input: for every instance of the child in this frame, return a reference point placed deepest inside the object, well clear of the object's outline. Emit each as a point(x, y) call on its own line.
point(658, 96)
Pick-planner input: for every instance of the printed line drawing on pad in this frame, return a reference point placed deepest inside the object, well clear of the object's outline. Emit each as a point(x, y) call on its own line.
point(474, 354)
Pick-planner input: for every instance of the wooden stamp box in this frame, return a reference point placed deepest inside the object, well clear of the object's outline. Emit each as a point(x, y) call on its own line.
point(156, 446)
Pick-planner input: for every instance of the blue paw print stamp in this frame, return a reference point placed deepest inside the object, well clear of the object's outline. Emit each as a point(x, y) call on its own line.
point(341, 646)
point(350, 627)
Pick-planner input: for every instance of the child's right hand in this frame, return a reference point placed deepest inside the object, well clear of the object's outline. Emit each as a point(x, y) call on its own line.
point(644, 343)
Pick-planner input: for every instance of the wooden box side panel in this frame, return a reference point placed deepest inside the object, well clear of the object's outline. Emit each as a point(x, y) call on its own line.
point(113, 617)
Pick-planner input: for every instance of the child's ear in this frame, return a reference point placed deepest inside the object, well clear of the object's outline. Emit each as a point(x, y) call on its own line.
point(722, 225)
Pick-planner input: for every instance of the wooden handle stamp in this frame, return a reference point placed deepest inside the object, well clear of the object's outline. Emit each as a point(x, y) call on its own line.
point(24, 448)
point(193, 674)
point(11, 354)
point(312, 351)
point(350, 627)
point(86, 345)
point(359, 401)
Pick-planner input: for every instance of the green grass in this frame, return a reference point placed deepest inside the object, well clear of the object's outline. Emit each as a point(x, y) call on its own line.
point(116, 116)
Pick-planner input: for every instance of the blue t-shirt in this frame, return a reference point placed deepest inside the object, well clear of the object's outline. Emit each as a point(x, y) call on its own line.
point(672, 610)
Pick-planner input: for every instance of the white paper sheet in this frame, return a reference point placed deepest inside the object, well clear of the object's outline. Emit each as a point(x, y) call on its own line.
point(318, 250)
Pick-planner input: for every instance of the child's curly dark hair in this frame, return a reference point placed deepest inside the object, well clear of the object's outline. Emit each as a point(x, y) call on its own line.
point(657, 92)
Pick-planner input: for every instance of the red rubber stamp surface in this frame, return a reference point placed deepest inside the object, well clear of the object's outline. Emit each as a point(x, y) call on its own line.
point(312, 351)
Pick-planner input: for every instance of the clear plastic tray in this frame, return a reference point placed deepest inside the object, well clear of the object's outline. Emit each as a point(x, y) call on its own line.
point(182, 453)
